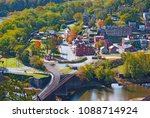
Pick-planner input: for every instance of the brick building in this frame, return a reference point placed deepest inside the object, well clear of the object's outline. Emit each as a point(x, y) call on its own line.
point(82, 49)
point(115, 30)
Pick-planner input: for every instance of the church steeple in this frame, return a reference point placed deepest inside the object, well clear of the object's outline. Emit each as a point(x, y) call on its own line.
point(85, 17)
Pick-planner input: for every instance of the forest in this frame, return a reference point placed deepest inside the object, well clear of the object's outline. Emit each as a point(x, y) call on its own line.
point(7, 6)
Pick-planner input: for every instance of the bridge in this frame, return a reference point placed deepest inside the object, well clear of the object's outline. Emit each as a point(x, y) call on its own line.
point(48, 92)
point(51, 85)
point(62, 87)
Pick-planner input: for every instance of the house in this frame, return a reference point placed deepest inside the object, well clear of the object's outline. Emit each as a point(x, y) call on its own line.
point(115, 18)
point(128, 48)
point(146, 17)
point(144, 43)
point(104, 50)
point(133, 25)
point(85, 37)
point(49, 57)
point(113, 49)
point(141, 28)
point(148, 44)
point(107, 43)
point(83, 48)
point(52, 33)
point(125, 41)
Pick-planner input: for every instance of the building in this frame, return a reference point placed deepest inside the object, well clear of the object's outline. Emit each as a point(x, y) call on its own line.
point(85, 37)
point(86, 18)
point(115, 30)
point(133, 25)
point(113, 49)
point(148, 44)
point(98, 38)
point(146, 17)
point(144, 43)
point(83, 48)
point(107, 43)
point(138, 41)
point(128, 48)
point(104, 50)
point(125, 41)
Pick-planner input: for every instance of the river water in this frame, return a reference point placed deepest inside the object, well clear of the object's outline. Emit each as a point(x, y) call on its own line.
point(115, 93)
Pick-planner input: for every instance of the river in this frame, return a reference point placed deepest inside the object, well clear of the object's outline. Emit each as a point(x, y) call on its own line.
point(115, 93)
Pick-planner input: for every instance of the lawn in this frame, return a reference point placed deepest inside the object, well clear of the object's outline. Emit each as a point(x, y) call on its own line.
point(11, 63)
point(66, 70)
point(38, 75)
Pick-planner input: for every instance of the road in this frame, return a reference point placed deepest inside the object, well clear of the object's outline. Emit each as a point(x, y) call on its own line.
point(66, 51)
point(52, 84)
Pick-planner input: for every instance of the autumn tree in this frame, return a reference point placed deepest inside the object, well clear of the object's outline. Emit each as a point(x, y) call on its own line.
point(99, 44)
point(86, 72)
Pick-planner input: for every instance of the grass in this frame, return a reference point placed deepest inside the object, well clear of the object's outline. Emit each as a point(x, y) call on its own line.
point(147, 51)
point(11, 63)
point(67, 70)
point(38, 75)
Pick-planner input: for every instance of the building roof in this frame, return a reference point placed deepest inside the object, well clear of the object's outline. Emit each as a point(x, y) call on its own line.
point(126, 46)
point(112, 46)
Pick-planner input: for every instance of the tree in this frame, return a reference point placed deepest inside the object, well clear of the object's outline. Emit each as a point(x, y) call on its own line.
point(99, 44)
point(108, 21)
point(78, 17)
point(25, 57)
point(105, 72)
point(91, 23)
point(14, 90)
point(36, 62)
point(35, 49)
point(73, 33)
point(133, 68)
point(86, 72)
point(63, 26)
point(51, 44)
point(99, 72)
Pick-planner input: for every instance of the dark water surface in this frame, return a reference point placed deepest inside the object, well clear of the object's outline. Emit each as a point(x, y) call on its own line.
point(116, 93)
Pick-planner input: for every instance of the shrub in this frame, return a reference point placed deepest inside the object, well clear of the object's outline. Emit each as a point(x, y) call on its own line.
point(79, 60)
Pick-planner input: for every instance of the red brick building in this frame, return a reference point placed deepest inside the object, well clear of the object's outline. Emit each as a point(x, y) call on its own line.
point(84, 49)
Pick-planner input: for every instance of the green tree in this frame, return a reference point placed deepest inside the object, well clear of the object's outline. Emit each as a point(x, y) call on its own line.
point(108, 21)
point(14, 90)
point(86, 72)
point(78, 17)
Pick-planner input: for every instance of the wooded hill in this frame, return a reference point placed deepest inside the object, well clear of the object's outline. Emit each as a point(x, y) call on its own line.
point(18, 5)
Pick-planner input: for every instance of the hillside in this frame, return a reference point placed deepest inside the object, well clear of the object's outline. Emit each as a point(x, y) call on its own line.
point(7, 6)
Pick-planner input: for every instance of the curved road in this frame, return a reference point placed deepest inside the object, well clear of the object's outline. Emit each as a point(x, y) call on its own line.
point(53, 83)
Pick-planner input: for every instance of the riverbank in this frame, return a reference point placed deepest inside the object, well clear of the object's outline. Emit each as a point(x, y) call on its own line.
point(115, 93)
